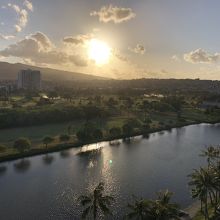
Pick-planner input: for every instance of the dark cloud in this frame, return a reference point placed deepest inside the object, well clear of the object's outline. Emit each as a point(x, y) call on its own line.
point(78, 40)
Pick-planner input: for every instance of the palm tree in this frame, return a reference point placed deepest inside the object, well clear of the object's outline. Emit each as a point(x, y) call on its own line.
point(215, 181)
point(211, 153)
point(96, 202)
point(202, 182)
point(138, 209)
point(163, 209)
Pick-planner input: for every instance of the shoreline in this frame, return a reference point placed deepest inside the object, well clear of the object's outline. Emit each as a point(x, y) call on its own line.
point(193, 209)
point(61, 147)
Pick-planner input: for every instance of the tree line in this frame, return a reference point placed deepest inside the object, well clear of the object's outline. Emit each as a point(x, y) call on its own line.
point(38, 116)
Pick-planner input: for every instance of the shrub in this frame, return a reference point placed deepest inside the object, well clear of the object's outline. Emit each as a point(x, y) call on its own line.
point(64, 137)
point(97, 134)
point(2, 148)
point(115, 132)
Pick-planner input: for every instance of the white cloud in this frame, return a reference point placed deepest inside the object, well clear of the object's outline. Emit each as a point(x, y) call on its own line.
point(15, 7)
point(175, 58)
point(115, 14)
point(43, 40)
point(17, 28)
point(37, 48)
point(28, 5)
point(201, 56)
point(22, 17)
point(139, 49)
point(6, 37)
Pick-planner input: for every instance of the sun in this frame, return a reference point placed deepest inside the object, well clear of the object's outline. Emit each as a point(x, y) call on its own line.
point(99, 51)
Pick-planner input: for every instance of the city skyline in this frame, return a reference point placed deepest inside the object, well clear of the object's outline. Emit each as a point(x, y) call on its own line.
point(152, 39)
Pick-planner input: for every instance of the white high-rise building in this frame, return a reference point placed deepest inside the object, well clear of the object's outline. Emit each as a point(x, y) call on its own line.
point(29, 79)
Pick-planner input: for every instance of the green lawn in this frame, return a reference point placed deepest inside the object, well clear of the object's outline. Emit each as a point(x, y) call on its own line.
point(36, 133)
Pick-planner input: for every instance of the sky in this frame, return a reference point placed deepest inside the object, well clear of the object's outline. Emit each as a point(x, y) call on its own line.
point(141, 38)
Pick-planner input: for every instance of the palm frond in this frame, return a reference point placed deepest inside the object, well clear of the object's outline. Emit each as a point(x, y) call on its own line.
point(86, 212)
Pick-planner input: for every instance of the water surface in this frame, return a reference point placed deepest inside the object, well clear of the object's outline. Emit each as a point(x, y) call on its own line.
point(47, 186)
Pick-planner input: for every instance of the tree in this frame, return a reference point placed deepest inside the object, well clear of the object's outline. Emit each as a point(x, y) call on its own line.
point(86, 133)
point(138, 209)
point(47, 140)
point(159, 209)
point(127, 129)
point(52, 94)
point(96, 202)
point(81, 135)
point(112, 102)
point(211, 153)
point(205, 182)
point(22, 144)
point(162, 208)
point(115, 132)
point(145, 105)
point(97, 134)
point(69, 128)
point(64, 137)
point(145, 127)
point(200, 180)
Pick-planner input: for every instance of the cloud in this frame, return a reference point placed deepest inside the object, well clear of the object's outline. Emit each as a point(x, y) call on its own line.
point(78, 40)
point(43, 40)
point(139, 49)
point(201, 56)
point(28, 5)
point(6, 37)
point(17, 28)
point(115, 14)
point(175, 58)
point(22, 16)
point(118, 55)
point(37, 48)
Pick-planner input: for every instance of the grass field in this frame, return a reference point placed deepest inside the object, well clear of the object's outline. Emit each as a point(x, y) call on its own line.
point(36, 133)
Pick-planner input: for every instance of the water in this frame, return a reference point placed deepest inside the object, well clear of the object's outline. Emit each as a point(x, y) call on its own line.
point(47, 187)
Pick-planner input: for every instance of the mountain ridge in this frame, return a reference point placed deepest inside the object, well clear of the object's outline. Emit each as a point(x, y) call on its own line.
point(9, 71)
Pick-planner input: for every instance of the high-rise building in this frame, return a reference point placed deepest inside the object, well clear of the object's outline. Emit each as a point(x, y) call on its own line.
point(29, 79)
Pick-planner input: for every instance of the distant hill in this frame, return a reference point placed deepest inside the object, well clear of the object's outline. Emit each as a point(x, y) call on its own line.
point(9, 71)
